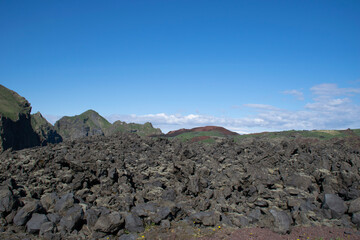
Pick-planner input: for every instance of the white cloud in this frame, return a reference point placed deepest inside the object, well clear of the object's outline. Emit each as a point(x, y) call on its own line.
point(331, 90)
point(299, 95)
point(260, 106)
point(328, 110)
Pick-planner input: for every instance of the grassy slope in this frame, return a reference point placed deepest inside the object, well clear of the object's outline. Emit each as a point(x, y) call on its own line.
point(11, 104)
point(38, 122)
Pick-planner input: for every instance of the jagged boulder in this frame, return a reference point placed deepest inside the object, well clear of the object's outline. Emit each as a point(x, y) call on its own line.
point(25, 213)
point(335, 204)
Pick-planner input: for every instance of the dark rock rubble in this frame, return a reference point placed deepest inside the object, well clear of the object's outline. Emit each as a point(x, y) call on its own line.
point(116, 186)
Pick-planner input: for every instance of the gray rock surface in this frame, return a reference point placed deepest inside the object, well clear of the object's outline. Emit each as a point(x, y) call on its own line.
point(134, 223)
point(354, 206)
point(73, 218)
point(7, 201)
point(24, 214)
point(335, 204)
point(64, 203)
point(282, 221)
point(109, 223)
point(34, 224)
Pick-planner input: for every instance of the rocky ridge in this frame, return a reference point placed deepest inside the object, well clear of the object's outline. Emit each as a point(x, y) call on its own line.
point(110, 186)
point(44, 129)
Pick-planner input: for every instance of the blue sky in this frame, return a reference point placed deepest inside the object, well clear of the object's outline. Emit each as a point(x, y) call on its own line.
point(249, 66)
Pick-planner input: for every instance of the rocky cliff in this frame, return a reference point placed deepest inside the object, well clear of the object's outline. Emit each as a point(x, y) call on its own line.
point(15, 122)
point(44, 129)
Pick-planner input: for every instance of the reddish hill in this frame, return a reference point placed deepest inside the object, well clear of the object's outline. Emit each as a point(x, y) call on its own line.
point(201, 129)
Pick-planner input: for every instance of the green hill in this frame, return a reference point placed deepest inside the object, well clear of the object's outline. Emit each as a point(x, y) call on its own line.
point(88, 123)
point(91, 123)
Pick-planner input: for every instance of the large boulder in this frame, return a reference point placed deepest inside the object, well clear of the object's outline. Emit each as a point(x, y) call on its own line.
point(34, 224)
point(109, 223)
point(335, 204)
point(134, 223)
point(354, 206)
point(282, 221)
point(73, 218)
point(25, 213)
point(64, 203)
point(209, 218)
point(7, 201)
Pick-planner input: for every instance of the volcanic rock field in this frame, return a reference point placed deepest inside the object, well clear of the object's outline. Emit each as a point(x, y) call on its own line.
point(116, 187)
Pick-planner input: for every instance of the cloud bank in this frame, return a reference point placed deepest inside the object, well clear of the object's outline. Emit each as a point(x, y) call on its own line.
point(330, 108)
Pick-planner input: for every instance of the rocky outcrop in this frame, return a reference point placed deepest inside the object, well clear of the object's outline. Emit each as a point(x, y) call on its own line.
point(15, 122)
point(44, 129)
point(99, 186)
point(90, 123)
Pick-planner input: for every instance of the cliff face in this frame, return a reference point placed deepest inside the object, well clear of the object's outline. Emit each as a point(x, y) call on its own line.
point(44, 129)
point(15, 122)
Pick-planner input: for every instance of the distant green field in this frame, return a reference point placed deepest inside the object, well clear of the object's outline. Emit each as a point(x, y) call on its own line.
point(189, 135)
point(319, 134)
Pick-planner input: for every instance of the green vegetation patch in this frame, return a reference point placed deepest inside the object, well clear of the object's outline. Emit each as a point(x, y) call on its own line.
point(189, 135)
point(318, 134)
point(12, 104)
